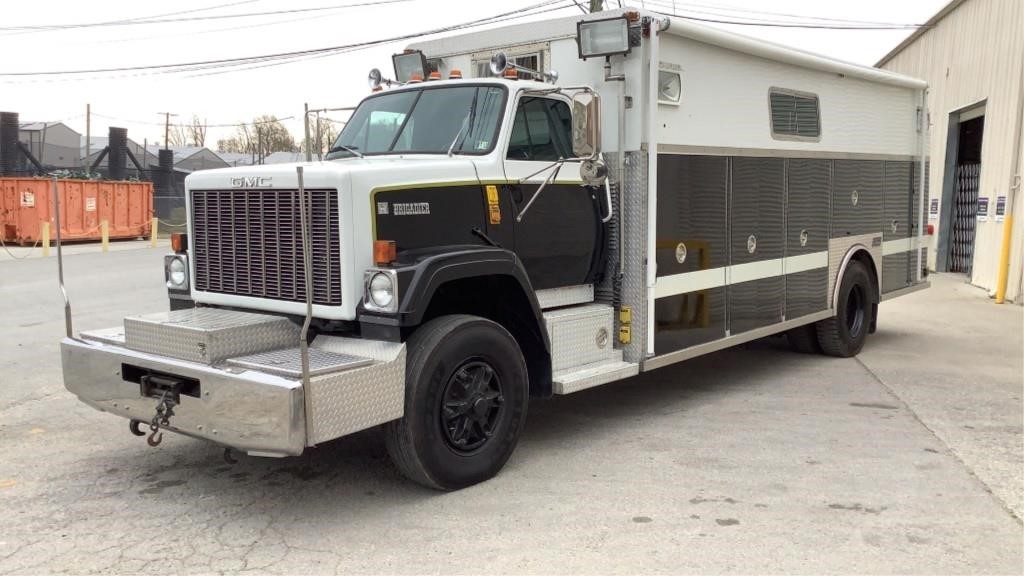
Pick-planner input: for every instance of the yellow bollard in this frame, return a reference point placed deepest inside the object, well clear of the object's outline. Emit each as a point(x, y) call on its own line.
point(1004, 259)
point(45, 233)
point(105, 235)
point(153, 232)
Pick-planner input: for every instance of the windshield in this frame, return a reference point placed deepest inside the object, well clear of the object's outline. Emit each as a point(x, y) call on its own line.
point(424, 121)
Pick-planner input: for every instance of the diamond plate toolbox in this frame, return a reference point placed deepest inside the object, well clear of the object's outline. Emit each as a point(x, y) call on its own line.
point(579, 335)
point(208, 335)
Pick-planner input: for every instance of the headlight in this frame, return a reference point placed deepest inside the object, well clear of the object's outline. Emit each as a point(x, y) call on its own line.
point(176, 272)
point(381, 290)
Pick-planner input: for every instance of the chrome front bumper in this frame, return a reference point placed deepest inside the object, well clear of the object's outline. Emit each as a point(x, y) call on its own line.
point(251, 411)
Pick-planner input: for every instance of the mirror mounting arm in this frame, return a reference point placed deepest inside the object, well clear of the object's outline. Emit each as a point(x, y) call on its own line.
point(551, 177)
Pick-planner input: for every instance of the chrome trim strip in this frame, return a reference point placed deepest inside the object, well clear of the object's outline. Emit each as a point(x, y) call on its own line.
point(749, 271)
point(904, 291)
point(901, 245)
point(738, 273)
point(778, 153)
point(805, 262)
point(729, 341)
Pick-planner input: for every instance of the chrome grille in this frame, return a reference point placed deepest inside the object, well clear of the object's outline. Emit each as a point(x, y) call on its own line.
point(248, 243)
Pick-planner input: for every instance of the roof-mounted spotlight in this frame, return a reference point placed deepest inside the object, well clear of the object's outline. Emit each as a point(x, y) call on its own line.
point(500, 64)
point(409, 63)
point(604, 37)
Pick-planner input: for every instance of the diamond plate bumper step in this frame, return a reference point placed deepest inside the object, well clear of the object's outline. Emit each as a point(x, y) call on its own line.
point(594, 374)
point(208, 335)
point(288, 362)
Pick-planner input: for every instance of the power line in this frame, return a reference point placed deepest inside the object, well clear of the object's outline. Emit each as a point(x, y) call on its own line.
point(194, 18)
point(729, 8)
point(293, 55)
point(30, 30)
point(525, 12)
point(152, 123)
point(717, 18)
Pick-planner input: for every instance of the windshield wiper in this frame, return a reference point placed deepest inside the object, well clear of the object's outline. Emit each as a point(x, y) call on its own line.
point(466, 122)
point(339, 147)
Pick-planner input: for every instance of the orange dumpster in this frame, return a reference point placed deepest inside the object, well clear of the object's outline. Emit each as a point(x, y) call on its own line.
point(25, 203)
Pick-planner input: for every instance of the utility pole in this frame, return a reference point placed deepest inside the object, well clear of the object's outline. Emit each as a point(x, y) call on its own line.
point(319, 146)
point(167, 129)
point(305, 127)
point(88, 137)
point(259, 143)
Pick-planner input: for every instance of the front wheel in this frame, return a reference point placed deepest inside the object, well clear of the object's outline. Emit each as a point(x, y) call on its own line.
point(465, 403)
point(844, 334)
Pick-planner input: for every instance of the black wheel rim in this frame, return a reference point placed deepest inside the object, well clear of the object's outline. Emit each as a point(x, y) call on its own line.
point(471, 406)
point(855, 311)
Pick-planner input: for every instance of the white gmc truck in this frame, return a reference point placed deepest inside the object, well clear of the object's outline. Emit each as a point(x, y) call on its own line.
point(486, 229)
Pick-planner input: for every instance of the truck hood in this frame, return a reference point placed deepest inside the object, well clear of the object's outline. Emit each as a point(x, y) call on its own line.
point(346, 174)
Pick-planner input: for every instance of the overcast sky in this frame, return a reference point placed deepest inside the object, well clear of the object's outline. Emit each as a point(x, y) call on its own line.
point(134, 99)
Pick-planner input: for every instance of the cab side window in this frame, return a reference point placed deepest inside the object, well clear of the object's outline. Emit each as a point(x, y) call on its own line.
point(542, 130)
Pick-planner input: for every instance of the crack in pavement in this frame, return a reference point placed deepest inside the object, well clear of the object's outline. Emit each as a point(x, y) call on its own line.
point(970, 471)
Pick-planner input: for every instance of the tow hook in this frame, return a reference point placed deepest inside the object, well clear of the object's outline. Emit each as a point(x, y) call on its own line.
point(162, 418)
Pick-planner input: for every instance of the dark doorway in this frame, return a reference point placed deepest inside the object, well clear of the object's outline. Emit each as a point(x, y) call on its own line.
point(965, 195)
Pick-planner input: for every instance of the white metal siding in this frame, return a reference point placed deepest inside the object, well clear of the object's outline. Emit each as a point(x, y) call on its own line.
point(974, 54)
point(725, 104)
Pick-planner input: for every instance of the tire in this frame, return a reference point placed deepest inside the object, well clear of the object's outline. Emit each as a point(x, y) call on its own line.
point(466, 394)
point(844, 334)
point(804, 339)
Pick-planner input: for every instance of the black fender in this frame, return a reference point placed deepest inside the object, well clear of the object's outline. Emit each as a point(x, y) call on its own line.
point(421, 272)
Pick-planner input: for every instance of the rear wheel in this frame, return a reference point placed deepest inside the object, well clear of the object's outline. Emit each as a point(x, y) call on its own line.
point(844, 334)
point(804, 339)
point(465, 403)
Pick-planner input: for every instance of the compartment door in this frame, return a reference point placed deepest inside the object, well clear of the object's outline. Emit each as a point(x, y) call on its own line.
point(808, 186)
point(896, 226)
point(757, 240)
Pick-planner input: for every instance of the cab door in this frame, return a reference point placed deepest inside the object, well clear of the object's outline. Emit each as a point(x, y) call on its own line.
point(559, 236)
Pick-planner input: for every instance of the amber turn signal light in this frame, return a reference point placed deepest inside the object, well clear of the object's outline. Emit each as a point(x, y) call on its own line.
point(179, 242)
point(384, 252)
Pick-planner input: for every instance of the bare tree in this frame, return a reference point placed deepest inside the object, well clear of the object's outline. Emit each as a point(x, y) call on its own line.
point(264, 136)
point(191, 134)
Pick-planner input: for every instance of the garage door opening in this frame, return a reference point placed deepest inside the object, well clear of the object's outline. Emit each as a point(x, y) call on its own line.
point(965, 199)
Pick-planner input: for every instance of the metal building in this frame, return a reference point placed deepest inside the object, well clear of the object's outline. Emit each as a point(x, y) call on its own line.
point(972, 55)
point(53, 144)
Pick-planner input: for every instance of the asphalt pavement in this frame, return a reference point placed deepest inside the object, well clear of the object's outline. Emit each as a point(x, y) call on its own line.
point(907, 459)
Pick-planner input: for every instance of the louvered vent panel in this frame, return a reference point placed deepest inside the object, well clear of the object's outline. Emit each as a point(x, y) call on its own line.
point(794, 115)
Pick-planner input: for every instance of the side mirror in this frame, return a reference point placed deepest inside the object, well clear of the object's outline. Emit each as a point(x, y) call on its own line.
point(586, 125)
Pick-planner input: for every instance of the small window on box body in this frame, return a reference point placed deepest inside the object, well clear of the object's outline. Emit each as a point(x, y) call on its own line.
point(794, 115)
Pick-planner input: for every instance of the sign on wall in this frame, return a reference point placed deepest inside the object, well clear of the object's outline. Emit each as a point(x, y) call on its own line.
point(933, 209)
point(983, 209)
point(1000, 208)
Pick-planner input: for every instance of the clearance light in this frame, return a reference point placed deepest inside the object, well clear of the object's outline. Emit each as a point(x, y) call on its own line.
point(179, 242)
point(415, 78)
point(435, 75)
point(510, 74)
point(455, 74)
point(384, 252)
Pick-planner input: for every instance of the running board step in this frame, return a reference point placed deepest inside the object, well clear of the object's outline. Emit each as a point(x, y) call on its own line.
point(590, 375)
